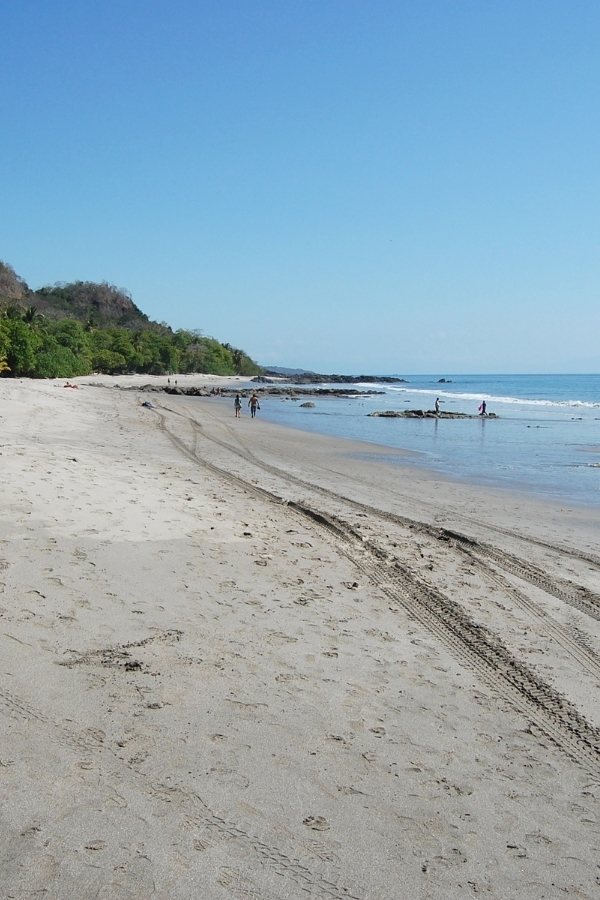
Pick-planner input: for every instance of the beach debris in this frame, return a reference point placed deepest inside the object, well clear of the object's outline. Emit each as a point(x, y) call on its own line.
point(148, 405)
point(133, 665)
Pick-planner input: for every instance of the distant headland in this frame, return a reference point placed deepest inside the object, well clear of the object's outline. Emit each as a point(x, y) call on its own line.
point(297, 376)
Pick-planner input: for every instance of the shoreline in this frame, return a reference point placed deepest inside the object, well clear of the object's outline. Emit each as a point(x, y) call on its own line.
point(239, 661)
point(400, 479)
point(416, 458)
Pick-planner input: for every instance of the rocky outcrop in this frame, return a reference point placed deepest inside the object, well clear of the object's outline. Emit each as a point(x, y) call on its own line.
point(100, 304)
point(12, 286)
point(426, 414)
point(314, 378)
point(287, 393)
point(275, 391)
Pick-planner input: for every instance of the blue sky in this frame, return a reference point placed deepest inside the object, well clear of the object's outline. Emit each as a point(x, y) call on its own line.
point(347, 186)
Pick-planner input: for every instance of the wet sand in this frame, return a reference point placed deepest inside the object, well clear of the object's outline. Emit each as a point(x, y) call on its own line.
point(240, 661)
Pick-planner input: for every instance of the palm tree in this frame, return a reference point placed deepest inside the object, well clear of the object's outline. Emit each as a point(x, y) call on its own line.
point(32, 315)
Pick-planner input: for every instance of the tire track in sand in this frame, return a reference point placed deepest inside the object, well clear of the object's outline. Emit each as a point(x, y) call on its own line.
point(577, 596)
point(435, 531)
point(475, 646)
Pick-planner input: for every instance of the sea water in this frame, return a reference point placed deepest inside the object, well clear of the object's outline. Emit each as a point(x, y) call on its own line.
point(545, 441)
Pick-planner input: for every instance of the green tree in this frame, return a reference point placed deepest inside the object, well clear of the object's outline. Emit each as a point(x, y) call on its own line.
point(4, 344)
point(21, 350)
point(55, 361)
point(70, 333)
point(108, 362)
point(121, 344)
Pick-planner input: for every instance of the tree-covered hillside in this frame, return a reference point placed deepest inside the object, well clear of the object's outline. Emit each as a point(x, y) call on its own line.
point(76, 329)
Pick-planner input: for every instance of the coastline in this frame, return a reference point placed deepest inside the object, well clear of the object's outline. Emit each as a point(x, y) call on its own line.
point(242, 660)
point(517, 455)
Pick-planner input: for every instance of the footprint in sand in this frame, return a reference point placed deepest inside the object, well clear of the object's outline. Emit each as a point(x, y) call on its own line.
point(317, 823)
point(378, 731)
point(95, 845)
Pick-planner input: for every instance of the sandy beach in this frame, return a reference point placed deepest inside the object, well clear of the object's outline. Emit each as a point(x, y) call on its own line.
point(239, 661)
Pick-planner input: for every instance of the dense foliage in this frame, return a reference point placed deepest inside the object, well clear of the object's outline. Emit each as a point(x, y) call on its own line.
point(81, 328)
point(39, 348)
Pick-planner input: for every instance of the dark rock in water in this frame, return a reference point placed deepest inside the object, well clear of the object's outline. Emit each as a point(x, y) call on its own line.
point(426, 414)
point(444, 381)
point(262, 379)
point(308, 405)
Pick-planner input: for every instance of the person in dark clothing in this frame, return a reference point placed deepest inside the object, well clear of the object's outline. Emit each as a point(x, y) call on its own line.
point(253, 404)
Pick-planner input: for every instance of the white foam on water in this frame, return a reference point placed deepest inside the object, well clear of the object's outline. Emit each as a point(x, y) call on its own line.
point(493, 398)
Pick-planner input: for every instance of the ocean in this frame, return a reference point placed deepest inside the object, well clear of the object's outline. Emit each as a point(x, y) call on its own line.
point(546, 440)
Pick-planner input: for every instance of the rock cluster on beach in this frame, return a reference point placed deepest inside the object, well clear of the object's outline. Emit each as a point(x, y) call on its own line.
point(267, 388)
point(273, 390)
point(426, 414)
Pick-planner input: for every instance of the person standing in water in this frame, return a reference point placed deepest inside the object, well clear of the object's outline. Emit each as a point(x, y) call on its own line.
point(253, 404)
point(237, 405)
point(437, 406)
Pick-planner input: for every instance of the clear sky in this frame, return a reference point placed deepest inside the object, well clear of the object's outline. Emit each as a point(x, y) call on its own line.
point(361, 186)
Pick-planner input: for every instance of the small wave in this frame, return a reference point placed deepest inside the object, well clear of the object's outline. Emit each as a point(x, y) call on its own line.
point(493, 398)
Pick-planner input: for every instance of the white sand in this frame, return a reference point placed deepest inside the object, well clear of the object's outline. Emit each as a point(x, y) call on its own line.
point(239, 662)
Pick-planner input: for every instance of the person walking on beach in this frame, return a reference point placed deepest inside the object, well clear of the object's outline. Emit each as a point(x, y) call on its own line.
point(237, 405)
point(483, 408)
point(437, 406)
point(254, 405)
